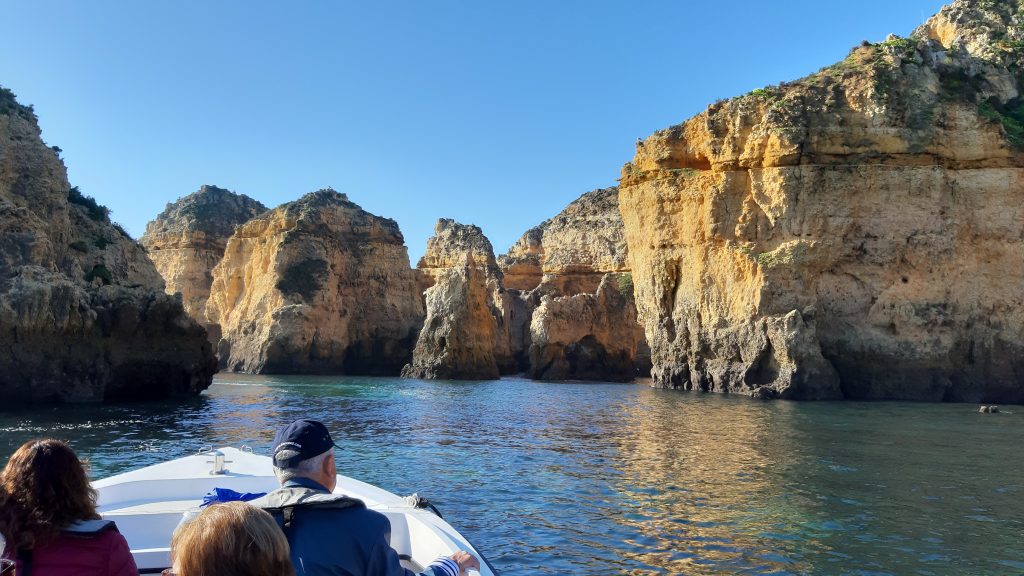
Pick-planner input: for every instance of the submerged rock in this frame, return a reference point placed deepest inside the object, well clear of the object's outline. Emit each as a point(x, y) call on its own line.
point(852, 234)
point(187, 240)
point(317, 285)
point(83, 316)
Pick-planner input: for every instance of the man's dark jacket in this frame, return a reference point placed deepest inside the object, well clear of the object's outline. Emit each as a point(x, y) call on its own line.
point(333, 535)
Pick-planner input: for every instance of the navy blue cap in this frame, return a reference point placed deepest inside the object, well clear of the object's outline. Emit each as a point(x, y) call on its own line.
point(307, 437)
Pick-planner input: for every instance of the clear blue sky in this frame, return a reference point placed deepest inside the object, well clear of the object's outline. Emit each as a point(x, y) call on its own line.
point(497, 114)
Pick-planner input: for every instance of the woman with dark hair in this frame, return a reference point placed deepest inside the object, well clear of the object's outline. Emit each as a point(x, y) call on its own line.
point(48, 516)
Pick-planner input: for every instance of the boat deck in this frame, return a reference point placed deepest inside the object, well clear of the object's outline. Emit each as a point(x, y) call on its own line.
point(149, 503)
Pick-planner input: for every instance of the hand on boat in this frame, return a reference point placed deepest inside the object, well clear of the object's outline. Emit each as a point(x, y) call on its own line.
point(465, 561)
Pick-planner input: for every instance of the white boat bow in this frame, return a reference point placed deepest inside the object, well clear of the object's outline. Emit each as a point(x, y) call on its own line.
point(147, 505)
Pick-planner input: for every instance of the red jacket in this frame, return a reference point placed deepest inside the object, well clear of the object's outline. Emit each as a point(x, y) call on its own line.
point(103, 553)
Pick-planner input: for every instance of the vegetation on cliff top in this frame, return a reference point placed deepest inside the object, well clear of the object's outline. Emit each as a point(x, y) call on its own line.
point(9, 105)
point(95, 210)
point(985, 50)
point(211, 209)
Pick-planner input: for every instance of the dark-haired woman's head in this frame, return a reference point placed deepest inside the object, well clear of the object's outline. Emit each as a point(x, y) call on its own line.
point(43, 489)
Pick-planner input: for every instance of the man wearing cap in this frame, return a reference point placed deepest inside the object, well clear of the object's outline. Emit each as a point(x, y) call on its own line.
point(331, 533)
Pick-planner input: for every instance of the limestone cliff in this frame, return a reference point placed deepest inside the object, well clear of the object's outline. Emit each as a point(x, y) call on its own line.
point(572, 251)
point(572, 329)
point(857, 233)
point(317, 285)
point(450, 246)
point(83, 316)
point(458, 337)
point(187, 240)
point(587, 336)
point(466, 332)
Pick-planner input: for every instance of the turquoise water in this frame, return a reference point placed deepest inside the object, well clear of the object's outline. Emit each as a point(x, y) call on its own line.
point(562, 478)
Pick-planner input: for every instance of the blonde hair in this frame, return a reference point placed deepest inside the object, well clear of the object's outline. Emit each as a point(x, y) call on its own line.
point(231, 539)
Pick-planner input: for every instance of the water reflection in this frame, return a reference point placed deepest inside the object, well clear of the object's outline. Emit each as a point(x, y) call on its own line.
point(620, 479)
point(694, 486)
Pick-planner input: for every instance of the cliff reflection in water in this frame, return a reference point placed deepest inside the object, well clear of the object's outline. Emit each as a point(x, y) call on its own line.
point(719, 486)
point(697, 486)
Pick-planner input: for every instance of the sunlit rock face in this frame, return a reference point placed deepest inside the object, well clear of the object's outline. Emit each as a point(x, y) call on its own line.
point(187, 240)
point(587, 336)
point(856, 233)
point(317, 285)
point(465, 334)
point(576, 317)
point(83, 315)
point(457, 339)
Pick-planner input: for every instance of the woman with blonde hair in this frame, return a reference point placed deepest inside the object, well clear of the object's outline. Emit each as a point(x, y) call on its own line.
point(230, 539)
point(48, 516)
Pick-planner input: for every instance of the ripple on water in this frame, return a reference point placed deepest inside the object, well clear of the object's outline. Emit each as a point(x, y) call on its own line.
point(610, 479)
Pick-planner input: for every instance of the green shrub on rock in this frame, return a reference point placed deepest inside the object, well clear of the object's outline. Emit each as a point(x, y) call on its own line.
point(96, 211)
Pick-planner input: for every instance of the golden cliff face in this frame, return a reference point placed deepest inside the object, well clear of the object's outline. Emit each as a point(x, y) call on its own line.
point(450, 246)
point(575, 317)
point(83, 316)
point(587, 336)
point(572, 251)
point(315, 286)
point(188, 238)
point(458, 336)
point(465, 334)
point(855, 234)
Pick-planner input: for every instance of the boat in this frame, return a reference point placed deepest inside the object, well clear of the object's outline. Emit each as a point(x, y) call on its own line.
point(148, 504)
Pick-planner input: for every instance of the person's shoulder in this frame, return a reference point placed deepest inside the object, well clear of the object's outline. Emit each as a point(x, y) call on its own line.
point(370, 515)
point(111, 537)
point(356, 515)
point(106, 538)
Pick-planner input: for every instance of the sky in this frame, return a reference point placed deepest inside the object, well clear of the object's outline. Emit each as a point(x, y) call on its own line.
point(492, 113)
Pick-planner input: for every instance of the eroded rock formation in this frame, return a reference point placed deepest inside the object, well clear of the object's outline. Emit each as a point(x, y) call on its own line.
point(571, 252)
point(856, 233)
point(458, 337)
point(187, 240)
point(465, 335)
point(587, 336)
point(576, 294)
point(451, 245)
point(83, 316)
point(317, 285)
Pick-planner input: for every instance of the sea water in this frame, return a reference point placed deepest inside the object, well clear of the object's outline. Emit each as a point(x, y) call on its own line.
point(595, 478)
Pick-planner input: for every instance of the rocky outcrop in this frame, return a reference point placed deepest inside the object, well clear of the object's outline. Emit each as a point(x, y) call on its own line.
point(466, 332)
point(853, 234)
point(571, 252)
point(317, 285)
point(522, 263)
point(558, 305)
point(575, 317)
point(458, 337)
point(587, 336)
point(83, 316)
point(187, 240)
point(452, 244)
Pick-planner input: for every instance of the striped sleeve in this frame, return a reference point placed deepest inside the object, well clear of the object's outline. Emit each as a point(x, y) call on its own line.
point(444, 566)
